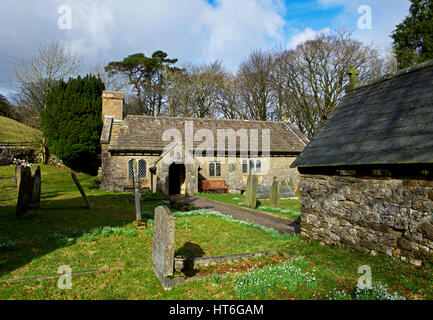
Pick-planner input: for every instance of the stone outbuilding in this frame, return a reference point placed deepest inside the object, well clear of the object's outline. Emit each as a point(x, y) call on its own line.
point(175, 154)
point(367, 176)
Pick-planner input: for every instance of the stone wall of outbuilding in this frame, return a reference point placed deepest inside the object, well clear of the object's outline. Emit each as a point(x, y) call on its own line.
point(389, 216)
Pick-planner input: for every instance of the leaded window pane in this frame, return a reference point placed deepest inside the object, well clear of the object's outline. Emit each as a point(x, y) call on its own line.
point(244, 166)
point(131, 169)
point(142, 169)
point(259, 166)
point(218, 169)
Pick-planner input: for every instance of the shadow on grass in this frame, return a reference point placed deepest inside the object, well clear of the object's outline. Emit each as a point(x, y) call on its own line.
point(189, 250)
point(37, 233)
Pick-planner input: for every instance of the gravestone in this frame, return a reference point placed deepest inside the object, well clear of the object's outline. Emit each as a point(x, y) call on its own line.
point(163, 242)
point(252, 186)
point(24, 191)
point(274, 198)
point(286, 192)
point(247, 188)
point(137, 193)
point(35, 201)
point(83, 194)
point(263, 192)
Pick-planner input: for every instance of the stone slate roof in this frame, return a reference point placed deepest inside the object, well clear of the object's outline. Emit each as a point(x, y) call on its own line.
point(144, 133)
point(389, 121)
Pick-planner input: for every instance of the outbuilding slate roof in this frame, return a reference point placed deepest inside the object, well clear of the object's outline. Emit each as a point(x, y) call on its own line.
point(389, 121)
point(144, 133)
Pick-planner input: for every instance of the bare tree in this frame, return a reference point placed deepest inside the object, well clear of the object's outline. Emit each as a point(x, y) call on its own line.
point(39, 74)
point(195, 91)
point(179, 92)
point(255, 84)
point(229, 103)
point(111, 82)
point(311, 79)
point(206, 83)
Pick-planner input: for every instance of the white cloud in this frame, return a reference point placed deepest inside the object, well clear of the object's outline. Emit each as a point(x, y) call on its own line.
point(307, 34)
point(386, 14)
point(191, 30)
point(91, 29)
point(236, 27)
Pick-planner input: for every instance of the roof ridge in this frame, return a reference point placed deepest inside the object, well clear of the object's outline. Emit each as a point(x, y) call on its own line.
point(206, 119)
point(394, 75)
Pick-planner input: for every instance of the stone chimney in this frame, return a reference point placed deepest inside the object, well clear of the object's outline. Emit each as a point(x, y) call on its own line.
point(113, 105)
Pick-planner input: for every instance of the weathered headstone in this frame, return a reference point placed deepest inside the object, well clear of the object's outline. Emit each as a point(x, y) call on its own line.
point(137, 193)
point(247, 188)
point(83, 194)
point(286, 192)
point(274, 198)
point(35, 201)
point(163, 242)
point(252, 186)
point(24, 191)
point(263, 192)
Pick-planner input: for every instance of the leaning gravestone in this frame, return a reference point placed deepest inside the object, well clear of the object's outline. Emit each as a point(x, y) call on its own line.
point(274, 198)
point(252, 186)
point(35, 201)
point(83, 194)
point(163, 242)
point(24, 191)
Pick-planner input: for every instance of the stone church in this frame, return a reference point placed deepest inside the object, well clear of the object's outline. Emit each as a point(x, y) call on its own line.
point(175, 154)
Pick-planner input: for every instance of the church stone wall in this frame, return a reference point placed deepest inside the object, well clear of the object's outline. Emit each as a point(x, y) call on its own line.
point(115, 173)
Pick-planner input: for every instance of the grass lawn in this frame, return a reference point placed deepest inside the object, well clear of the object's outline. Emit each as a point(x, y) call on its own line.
point(289, 208)
point(14, 131)
point(64, 233)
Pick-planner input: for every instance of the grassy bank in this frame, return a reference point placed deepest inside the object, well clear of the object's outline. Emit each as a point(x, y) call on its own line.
point(14, 131)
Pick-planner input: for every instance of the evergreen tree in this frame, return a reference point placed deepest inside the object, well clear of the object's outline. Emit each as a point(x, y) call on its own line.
point(148, 76)
point(72, 122)
point(413, 38)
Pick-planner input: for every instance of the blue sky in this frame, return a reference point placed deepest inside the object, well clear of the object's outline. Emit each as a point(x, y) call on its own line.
point(195, 31)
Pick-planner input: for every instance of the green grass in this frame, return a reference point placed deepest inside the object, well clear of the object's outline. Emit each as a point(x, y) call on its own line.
point(289, 208)
point(63, 232)
point(14, 131)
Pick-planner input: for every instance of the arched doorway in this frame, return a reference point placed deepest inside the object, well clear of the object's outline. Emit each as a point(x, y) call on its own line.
point(176, 176)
